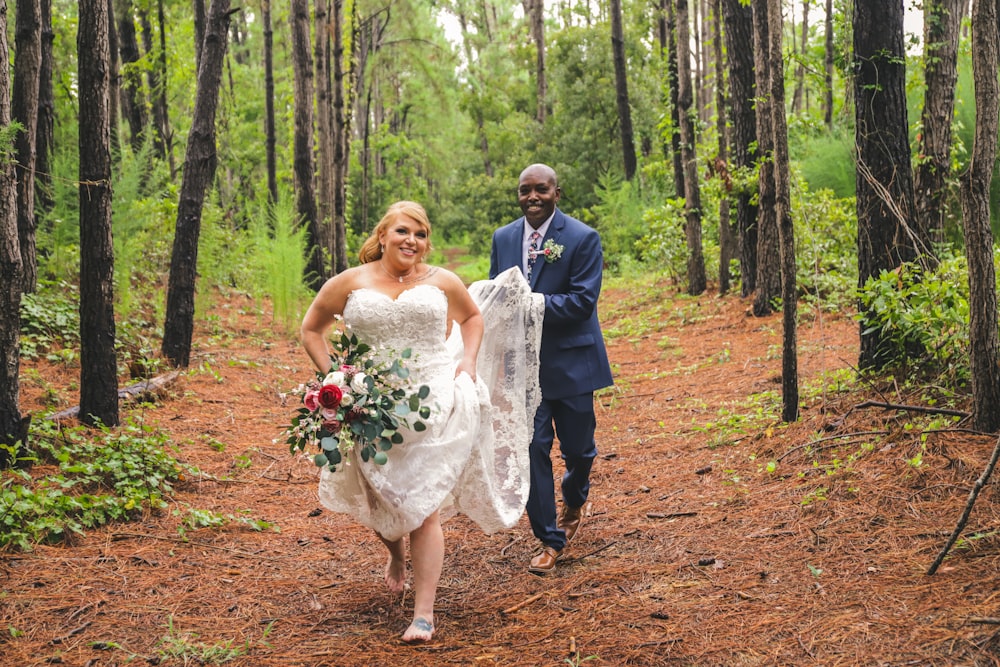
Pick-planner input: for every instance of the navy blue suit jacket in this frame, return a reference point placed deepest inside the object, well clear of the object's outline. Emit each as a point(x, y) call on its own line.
point(574, 360)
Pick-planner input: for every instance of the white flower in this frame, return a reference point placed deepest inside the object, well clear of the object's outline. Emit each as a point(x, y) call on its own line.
point(334, 377)
point(347, 400)
point(358, 384)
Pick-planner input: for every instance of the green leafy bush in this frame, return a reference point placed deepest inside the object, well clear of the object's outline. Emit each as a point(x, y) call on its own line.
point(50, 318)
point(922, 309)
point(100, 478)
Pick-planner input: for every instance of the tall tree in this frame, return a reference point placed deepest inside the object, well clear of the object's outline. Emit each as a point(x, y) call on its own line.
point(675, 114)
point(324, 129)
point(930, 189)
point(341, 138)
point(739, 47)
point(13, 428)
point(768, 280)
point(305, 198)
point(782, 200)
point(884, 182)
point(799, 96)
point(984, 346)
point(270, 139)
point(45, 128)
point(24, 108)
point(728, 248)
point(157, 80)
point(534, 10)
point(621, 89)
point(828, 67)
point(697, 281)
point(199, 170)
point(133, 101)
point(98, 363)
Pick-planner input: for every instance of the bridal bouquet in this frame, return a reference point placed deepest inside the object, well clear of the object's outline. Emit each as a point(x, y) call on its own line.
point(360, 403)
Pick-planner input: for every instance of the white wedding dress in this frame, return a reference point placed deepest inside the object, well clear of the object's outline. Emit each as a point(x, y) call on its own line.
point(473, 457)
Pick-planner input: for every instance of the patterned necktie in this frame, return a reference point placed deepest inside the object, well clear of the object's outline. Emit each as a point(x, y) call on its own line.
point(532, 250)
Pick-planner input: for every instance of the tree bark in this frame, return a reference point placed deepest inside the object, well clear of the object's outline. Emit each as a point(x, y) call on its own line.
point(768, 281)
point(341, 140)
point(621, 90)
point(98, 362)
point(157, 81)
point(13, 428)
point(305, 198)
point(743, 118)
point(534, 10)
point(675, 114)
point(24, 109)
point(798, 97)
point(933, 163)
point(133, 102)
point(984, 347)
point(782, 198)
point(270, 140)
point(697, 281)
point(324, 130)
point(199, 171)
point(828, 67)
point(884, 177)
point(45, 126)
point(728, 246)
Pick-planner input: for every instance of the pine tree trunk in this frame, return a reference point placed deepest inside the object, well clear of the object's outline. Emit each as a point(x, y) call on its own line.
point(621, 90)
point(133, 101)
point(768, 281)
point(828, 68)
point(45, 127)
point(535, 11)
point(930, 181)
point(199, 171)
point(341, 140)
point(800, 69)
point(728, 248)
point(24, 109)
point(675, 114)
point(884, 177)
point(12, 427)
point(305, 198)
point(270, 140)
point(98, 362)
point(782, 198)
point(324, 131)
point(697, 281)
point(743, 118)
point(984, 347)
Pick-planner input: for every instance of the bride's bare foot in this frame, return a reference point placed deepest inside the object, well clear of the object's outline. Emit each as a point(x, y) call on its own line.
point(420, 630)
point(395, 575)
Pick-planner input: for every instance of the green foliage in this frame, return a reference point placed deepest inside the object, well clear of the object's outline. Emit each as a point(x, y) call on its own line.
point(277, 260)
point(664, 245)
point(825, 247)
point(50, 319)
point(924, 310)
point(824, 158)
point(101, 477)
point(185, 647)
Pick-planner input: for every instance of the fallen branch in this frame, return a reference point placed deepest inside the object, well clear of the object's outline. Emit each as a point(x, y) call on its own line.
point(830, 437)
point(137, 391)
point(672, 515)
point(911, 408)
point(523, 603)
point(985, 620)
point(973, 494)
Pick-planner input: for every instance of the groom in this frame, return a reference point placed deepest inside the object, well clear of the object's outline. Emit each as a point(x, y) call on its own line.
point(562, 259)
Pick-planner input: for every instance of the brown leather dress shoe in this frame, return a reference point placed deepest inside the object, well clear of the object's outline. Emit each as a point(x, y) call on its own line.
point(570, 520)
point(544, 562)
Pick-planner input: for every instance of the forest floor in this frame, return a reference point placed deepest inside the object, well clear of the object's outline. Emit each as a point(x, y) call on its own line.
point(714, 535)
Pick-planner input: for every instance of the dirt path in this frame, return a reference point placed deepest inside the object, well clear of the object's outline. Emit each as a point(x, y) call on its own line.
point(694, 552)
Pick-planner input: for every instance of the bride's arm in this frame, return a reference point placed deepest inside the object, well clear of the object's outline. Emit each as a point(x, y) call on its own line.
point(322, 313)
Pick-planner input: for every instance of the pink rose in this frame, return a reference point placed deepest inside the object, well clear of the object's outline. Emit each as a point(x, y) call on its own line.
point(329, 396)
point(348, 371)
point(331, 425)
point(311, 400)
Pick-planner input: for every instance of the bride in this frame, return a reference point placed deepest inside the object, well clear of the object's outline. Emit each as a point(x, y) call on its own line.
point(477, 351)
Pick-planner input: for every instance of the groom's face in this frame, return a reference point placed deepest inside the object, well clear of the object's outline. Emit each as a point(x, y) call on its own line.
point(537, 194)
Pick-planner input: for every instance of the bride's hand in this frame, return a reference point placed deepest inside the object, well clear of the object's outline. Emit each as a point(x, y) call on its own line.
point(465, 367)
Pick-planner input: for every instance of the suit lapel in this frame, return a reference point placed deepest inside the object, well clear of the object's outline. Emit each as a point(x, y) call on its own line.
point(553, 232)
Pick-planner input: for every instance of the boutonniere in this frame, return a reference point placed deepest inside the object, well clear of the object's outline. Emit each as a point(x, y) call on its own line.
point(551, 251)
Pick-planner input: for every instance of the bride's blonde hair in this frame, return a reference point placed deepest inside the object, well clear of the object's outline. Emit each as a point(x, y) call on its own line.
point(371, 249)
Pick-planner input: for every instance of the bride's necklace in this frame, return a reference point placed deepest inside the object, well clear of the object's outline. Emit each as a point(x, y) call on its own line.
point(404, 278)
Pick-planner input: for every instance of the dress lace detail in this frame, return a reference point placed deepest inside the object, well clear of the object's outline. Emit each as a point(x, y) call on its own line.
point(473, 457)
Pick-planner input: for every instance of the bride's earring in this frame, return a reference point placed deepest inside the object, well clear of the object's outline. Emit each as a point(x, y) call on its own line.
point(381, 249)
